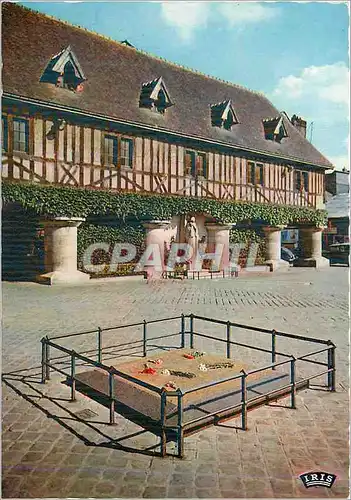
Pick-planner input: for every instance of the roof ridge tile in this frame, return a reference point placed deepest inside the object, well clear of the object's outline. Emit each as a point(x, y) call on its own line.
point(142, 51)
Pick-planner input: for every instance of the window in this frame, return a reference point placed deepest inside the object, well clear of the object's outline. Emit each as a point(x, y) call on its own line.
point(274, 129)
point(64, 70)
point(4, 134)
point(69, 77)
point(301, 180)
point(189, 163)
point(118, 151)
point(255, 173)
point(195, 164)
point(223, 115)
point(154, 95)
point(126, 153)
point(201, 169)
point(110, 150)
point(20, 135)
point(305, 180)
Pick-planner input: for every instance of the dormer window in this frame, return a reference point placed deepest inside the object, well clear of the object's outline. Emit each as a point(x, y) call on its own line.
point(64, 71)
point(154, 95)
point(274, 129)
point(223, 115)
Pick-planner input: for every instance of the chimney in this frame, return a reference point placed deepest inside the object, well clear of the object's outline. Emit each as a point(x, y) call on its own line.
point(300, 124)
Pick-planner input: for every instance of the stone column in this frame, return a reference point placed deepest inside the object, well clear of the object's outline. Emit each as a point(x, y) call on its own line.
point(310, 242)
point(218, 234)
point(60, 245)
point(155, 244)
point(273, 237)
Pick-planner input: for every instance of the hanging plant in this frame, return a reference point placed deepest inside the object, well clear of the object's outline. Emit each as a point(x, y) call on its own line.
point(48, 200)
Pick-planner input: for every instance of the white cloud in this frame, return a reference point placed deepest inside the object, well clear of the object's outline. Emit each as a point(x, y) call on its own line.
point(238, 13)
point(329, 83)
point(186, 17)
point(320, 95)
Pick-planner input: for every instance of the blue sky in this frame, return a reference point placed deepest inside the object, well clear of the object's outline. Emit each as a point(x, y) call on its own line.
point(295, 53)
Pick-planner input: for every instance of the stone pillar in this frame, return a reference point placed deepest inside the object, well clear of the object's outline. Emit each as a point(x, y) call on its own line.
point(155, 247)
point(273, 237)
point(218, 234)
point(310, 242)
point(60, 244)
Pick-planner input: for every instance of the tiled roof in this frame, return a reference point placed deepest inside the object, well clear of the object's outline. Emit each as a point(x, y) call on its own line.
point(338, 206)
point(115, 74)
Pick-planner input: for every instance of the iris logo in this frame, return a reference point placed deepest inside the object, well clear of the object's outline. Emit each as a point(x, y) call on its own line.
point(310, 479)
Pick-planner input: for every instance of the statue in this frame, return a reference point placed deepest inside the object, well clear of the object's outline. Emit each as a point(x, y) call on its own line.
point(192, 238)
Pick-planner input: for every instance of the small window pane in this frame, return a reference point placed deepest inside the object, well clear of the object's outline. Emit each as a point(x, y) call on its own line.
point(298, 183)
point(250, 167)
point(259, 174)
point(20, 135)
point(189, 163)
point(201, 165)
point(126, 152)
point(110, 151)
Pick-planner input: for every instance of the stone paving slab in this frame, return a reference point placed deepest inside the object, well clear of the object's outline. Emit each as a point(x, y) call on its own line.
point(48, 452)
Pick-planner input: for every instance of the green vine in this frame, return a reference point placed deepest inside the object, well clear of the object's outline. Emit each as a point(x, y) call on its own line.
point(77, 202)
point(248, 237)
point(90, 233)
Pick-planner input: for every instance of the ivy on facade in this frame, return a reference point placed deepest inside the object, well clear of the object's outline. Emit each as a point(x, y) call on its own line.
point(76, 202)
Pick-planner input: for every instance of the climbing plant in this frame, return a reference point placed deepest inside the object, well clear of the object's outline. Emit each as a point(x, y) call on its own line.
point(78, 202)
point(247, 237)
point(90, 233)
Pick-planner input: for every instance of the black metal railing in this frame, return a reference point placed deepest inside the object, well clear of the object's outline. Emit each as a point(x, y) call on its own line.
point(186, 332)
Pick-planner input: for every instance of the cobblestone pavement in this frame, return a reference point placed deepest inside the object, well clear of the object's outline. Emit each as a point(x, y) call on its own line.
point(50, 451)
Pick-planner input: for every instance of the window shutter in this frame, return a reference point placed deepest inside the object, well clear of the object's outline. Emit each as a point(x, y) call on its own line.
point(115, 151)
point(204, 165)
point(26, 131)
point(250, 167)
point(188, 163)
point(305, 180)
point(261, 175)
point(4, 134)
point(194, 164)
point(297, 180)
point(130, 152)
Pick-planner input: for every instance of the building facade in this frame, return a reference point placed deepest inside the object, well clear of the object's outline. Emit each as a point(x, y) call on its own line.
point(84, 111)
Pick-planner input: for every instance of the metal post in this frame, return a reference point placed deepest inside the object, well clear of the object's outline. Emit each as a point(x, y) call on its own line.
point(111, 396)
point(333, 385)
point(191, 331)
point(43, 360)
point(163, 423)
point(228, 340)
point(144, 339)
point(331, 366)
point(73, 376)
point(293, 382)
point(243, 401)
point(273, 348)
point(180, 425)
point(47, 367)
point(182, 330)
point(99, 345)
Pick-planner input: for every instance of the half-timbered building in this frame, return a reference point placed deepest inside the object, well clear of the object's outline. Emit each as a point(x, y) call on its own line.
point(85, 111)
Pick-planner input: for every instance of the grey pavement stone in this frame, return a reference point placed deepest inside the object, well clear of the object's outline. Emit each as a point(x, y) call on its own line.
point(221, 461)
